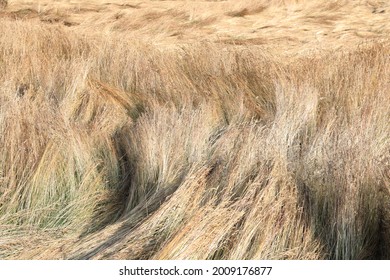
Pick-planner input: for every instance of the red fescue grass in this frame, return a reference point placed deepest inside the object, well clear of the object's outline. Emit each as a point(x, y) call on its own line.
point(114, 147)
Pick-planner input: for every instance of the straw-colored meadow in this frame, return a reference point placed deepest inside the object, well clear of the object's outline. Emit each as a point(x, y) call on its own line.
point(194, 129)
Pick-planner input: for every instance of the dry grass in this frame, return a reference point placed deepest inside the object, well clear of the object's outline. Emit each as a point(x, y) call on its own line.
point(188, 130)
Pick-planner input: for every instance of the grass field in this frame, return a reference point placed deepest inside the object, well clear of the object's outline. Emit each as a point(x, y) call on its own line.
point(194, 129)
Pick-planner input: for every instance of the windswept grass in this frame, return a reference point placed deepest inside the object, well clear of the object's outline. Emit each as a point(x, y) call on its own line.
point(117, 143)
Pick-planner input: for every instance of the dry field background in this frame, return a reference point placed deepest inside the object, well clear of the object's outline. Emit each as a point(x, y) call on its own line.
point(194, 129)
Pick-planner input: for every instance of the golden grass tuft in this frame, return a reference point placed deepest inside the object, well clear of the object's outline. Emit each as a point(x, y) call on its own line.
point(174, 130)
